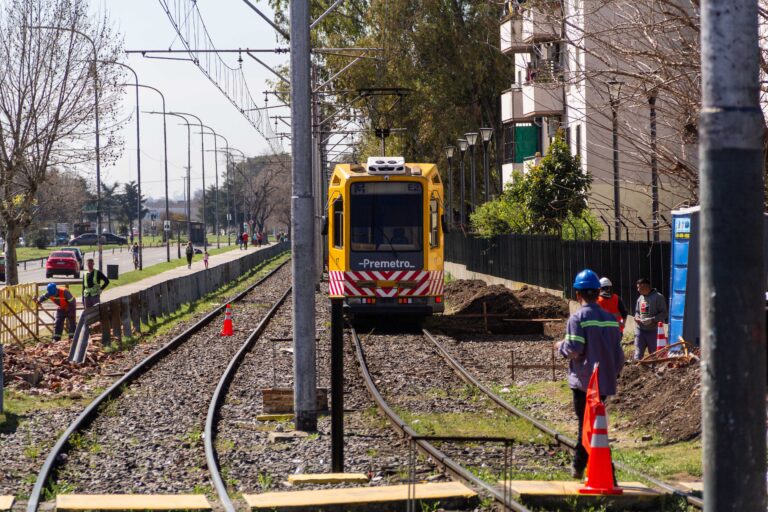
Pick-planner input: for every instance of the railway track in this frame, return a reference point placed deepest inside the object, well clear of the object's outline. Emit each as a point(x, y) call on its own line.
point(445, 456)
point(153, 430)
point(561, 439)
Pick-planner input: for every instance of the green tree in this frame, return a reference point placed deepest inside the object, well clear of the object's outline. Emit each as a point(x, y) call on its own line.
point(551, 198)
point(128, 204)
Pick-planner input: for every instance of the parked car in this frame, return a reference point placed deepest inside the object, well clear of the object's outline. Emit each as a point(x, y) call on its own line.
point(78, 254)
point(62, 263)
point(62, 239)
point(112, 238)
point(86, 239)
point(2, 268)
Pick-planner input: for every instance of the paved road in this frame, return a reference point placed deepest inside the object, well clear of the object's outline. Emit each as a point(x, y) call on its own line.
point(151, 256)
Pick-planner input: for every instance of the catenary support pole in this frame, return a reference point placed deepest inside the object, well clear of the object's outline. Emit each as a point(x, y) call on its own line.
point(616, 182)
point(337, 385)
point(731, 299)
point(302, 222)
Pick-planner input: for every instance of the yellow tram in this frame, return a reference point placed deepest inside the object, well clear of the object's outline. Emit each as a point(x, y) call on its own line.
point(385, 237)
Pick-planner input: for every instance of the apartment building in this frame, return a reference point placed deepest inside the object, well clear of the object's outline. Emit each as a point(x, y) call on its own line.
point(559, 83)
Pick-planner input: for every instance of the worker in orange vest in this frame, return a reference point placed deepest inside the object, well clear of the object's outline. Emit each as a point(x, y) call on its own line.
point(611, 302)
point(66, 309)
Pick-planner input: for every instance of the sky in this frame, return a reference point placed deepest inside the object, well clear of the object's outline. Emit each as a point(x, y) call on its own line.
point(145, 25)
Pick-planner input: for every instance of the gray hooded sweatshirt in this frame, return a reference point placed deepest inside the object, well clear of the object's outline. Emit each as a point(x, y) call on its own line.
point(654, 306)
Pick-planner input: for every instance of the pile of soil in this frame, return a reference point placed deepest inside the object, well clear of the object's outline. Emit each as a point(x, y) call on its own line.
point(663, 399)
point(467, 297)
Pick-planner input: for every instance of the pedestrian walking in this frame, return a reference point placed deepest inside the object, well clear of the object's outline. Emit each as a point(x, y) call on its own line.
point(245, 240)
point(591, 336)
point(135, 254)
point(190, 252)
point(650, 309)
point(66, 309)
point(94, 282)
point(611, 302)
point(205, 259)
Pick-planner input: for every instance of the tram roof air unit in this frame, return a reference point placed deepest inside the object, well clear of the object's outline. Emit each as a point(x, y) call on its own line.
point(386, 165)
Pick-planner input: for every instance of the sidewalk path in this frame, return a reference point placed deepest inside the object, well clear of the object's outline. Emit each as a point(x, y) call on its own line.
point(197, 265)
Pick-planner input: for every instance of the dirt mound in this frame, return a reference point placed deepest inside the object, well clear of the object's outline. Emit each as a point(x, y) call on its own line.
point(465, 297)
point(665, 400)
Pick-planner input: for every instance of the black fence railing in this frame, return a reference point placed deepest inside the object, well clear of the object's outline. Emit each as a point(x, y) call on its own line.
point(552, 263)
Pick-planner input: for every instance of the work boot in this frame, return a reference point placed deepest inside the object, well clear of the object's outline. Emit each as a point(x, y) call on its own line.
point(576, 473)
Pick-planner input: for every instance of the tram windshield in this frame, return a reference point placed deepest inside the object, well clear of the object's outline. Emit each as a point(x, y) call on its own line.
point(386, 217)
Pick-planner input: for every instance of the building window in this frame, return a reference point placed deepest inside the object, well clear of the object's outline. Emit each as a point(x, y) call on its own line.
point(521, 141)
point(578, 140)
point(509, 143)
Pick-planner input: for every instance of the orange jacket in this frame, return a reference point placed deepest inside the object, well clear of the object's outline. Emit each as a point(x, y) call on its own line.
point(611, 305)
point(61, 300)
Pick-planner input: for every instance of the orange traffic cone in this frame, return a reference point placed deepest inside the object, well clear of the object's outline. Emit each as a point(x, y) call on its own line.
point(661, 338)
point(227, 329)
point(599, 465)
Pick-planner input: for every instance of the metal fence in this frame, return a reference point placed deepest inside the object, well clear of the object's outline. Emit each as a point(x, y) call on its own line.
point(550, 262)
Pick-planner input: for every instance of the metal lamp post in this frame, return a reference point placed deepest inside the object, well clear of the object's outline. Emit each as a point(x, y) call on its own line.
point(449, 150)
point(472, 141)
point(242, 193)
point(614, 92)
point(98, 147)
point(486, 134)
point(463, 145)
point(189, 169)
point(202, 159)
point(165, 162)
point(216, 189)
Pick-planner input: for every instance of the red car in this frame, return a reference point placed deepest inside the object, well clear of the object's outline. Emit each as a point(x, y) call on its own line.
point(62, 263)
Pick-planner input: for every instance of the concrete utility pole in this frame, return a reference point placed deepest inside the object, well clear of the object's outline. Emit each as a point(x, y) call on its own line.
point(732, 299)
point(302, 222)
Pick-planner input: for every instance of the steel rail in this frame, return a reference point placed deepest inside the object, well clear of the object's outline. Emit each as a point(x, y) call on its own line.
point(209, 436)
point(116, 389)
point(449, 464)
point(560, 438)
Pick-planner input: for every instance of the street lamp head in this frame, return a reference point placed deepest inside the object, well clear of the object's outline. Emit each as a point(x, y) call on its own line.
point(449, 151)
point(614, 90)
point(463, 145)
point(486, 134)
point(471, 138)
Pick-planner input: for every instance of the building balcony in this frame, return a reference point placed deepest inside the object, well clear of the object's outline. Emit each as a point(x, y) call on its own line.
point(539, 23)
point(541, 100)
point(511, 35)
point(512, 105)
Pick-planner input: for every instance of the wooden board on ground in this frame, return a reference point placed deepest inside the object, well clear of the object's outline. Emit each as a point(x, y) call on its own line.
point(551, 495)
point(451, 495)
point(132, 502)
point(6, 502)
point(328, 478)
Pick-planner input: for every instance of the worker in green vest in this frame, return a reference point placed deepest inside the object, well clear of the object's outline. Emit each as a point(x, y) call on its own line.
point(94, 281)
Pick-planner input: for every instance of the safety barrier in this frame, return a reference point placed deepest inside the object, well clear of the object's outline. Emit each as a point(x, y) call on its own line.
point(124, 316)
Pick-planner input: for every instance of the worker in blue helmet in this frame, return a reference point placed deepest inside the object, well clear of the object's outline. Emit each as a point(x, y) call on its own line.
point(66, 309)
point(592, 336)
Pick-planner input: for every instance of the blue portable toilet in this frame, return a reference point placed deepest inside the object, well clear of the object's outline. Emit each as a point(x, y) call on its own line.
point(684, 276)
point(684, 316)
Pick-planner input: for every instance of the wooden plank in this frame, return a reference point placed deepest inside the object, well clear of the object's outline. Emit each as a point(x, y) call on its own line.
point(549, 495)
point(105, 318)
point(328, 478)
point(312, 500)
point(125, 315)
point(135, 302)
point(117, 332)
point(6, 502)
point(132, 502)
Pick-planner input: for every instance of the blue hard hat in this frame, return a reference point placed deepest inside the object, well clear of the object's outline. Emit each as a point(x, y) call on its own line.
point(586, 280)
point(52, 289)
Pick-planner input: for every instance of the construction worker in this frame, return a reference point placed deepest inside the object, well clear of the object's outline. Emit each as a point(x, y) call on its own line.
point(66, 309)
point(94, 281)
point(611, 302)
point(650, 309)
point(591, 336)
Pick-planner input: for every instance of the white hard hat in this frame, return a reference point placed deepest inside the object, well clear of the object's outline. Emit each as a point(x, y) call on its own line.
point(605, 282)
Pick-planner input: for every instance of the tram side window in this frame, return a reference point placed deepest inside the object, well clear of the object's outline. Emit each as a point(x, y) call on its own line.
point(338, 223)
point(434, 223)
